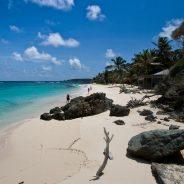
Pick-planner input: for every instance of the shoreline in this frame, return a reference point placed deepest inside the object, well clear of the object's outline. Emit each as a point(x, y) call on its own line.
point(50, 102)
point(71, 151)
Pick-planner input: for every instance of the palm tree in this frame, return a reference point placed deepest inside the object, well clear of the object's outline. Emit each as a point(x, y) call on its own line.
point(164, 51)
point(119, 63)
point(143, 61)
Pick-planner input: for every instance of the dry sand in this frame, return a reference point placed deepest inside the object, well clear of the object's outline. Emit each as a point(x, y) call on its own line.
point(70, 152)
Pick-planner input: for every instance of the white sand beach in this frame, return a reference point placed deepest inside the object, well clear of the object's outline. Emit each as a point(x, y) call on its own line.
point(71, 151)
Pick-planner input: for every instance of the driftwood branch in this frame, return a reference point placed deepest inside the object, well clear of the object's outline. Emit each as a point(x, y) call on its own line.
point(136, 103)
point(106, 153)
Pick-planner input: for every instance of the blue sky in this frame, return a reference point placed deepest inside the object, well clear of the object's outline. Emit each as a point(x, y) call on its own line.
point(63, 39)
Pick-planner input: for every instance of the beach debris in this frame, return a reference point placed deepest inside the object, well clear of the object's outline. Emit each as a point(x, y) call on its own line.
point(119, 122)
point(123, 89)
point(146, 112)
point(119, 111)
point(168, 173)
point(21, 182)
point(133, 103)
point(166, 119)
point(174, 127)
point(156, 145)
point(107, 155)
point(46, 117)
point(159, 122)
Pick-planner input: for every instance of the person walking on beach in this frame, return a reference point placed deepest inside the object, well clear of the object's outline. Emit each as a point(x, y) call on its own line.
point(67, 98)
point(88, 90)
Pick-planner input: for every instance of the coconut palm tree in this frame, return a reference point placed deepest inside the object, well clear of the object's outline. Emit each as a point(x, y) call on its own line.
point(119, 63)
point(143, 61)
point(164, 52)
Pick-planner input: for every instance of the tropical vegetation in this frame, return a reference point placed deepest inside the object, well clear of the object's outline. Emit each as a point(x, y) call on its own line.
point(146, 62)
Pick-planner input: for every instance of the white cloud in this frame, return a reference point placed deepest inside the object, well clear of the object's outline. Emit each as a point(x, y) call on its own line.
point(56, 40)
point(76, 64)
point(32, 53)
point(4, 41)
point(94, 13)
point(15, 28)
point(170, 27)
point(46, 68)
point(16, 56)
point(110, 53)
point(57, 4)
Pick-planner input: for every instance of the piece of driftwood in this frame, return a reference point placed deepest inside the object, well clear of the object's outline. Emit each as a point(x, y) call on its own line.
point(107, 155)
point(137, 103)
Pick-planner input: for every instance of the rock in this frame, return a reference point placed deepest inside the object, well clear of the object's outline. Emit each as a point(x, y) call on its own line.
point(87, 106)
point(156, 144)
point(58, 116)
point(119, 111)
point(173, 127)
point(166, 119)
point(150, 118)
point(172, 89)
point(168, 173)
point(46, 116)
point(56, 109)
point(119, 122)
point(159, 122)
point(146, 112)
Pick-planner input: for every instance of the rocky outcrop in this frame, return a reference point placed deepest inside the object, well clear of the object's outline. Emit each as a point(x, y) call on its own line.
point(172, 90)
point(80, 107)
point(46, 117)
point(157, 144)
point(146, 112)
point(87, 106)
point(58, 116)
point(168, 173)
point(119, 122)
point(54, 110)
point(150, 118)
point(174, 127)
point(119, 111)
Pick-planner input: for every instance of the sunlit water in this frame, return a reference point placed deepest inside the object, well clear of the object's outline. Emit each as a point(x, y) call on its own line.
point(25, 100)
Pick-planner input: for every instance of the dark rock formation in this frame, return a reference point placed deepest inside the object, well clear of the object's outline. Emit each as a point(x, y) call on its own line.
point(46, 116)
point(173, 127)
point(56, 109)
point(172, 89)
point(119, 122)
point(58, 116)
point(150, 118)
point(87, 106)
point(146, 112)
point(168, 173)
point(119, 111)
point(157, 144)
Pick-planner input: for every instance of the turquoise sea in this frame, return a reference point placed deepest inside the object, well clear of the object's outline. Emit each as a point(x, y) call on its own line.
point(25, 100)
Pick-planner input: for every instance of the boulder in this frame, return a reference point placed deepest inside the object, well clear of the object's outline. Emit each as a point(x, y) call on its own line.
point(146, 112)
point(150, 118)
point(168, 173)
point(87, 106)
point(46, 116)
point(119, 122)
point(173, 127)
point(56, 109)
point(156, 144)
point(58, 116)
point(119, 111)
